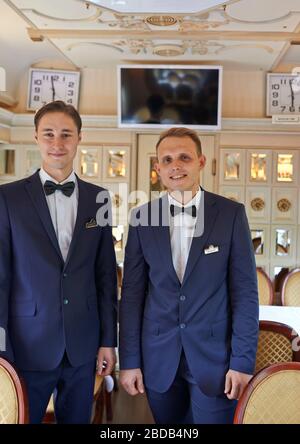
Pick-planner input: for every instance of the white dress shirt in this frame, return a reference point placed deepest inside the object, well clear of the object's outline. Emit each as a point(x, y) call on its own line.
point(63, 211)
point(182, 227)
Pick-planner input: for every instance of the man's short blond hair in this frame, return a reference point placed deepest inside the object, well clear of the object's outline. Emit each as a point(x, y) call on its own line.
point(181, 132)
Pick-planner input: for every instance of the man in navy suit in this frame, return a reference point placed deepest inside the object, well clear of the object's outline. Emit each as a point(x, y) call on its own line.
point(189, 304)
point(58, 293)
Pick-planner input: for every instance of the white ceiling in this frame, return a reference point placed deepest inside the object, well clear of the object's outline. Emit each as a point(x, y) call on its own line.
point(157, 6)
point(239, 34)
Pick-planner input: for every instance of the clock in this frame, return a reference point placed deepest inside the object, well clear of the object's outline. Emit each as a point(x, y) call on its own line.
point(47, 85)
point(283, 94)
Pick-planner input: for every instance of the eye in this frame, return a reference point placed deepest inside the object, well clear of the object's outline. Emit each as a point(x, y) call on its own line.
point(167, 160)
point(185, 157)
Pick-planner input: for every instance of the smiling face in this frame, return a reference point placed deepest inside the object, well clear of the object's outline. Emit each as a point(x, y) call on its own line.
point(57, 137)
point(179, 164)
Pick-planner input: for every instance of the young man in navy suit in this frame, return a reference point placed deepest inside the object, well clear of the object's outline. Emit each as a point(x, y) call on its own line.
point(58, 293)
point(189, 304)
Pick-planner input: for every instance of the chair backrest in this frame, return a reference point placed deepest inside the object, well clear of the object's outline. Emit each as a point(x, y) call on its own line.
point(290, 291)
point(13, 398)
point(275, 344)
point(265, 288)
point(271, 397)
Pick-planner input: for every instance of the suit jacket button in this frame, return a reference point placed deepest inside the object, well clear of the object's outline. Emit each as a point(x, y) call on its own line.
point(66, 301)
point(182, 326)
point(182, 297)
point(65, 275)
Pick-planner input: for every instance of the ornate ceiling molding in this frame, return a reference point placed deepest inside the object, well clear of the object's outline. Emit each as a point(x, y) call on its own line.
point(136, 46)
point(202, 22)
point(77, 45)
point(141, 22)
point(91, 18)
point(126, 22)
point(204, 47)
point(169, 50)
point(166, 35)
point(266, 48)
point(200, 25)
point(161, 20)
point(182, 22)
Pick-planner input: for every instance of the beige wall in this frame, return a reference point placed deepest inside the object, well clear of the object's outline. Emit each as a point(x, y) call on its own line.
point(243, 92)
point(4, 135)
point(260, 140)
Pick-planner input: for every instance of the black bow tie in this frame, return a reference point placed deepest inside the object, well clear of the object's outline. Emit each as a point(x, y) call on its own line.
point(175, 209)
point(67, 188)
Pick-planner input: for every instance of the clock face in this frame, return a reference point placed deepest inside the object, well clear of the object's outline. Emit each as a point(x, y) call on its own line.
point(48, 85)
point(283, 94)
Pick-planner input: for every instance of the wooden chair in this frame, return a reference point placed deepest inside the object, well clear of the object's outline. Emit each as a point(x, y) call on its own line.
point(290, 291)
point(13, 397)
point(271, 397)
point(265, 288)
point(275, 344)
point(102, 402)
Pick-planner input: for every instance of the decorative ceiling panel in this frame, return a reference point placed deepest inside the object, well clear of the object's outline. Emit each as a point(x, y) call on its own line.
point(99, 52)
point(61, 9)
point(74, 14)
point(263, 10)
point(246, 34)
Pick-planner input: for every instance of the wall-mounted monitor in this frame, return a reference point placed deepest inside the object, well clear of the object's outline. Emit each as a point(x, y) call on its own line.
point(156, 96)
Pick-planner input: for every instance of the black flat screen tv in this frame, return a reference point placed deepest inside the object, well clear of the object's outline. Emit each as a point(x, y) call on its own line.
point(156, 96)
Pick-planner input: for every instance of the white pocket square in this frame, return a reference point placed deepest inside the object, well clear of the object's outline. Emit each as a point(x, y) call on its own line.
point(211, 249)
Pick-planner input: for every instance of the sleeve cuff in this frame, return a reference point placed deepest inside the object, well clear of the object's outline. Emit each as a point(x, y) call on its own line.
point(242, 365)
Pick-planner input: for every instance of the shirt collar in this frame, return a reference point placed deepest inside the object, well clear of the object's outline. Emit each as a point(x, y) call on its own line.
point(195, 201)
point(45, 176)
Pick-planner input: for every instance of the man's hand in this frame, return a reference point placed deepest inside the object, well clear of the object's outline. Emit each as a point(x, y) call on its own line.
point(235, 383)
point(106, 360)
point(132, 381)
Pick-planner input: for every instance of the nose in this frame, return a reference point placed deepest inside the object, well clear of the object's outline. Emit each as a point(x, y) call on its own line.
point(57, 142)
point(176, 165)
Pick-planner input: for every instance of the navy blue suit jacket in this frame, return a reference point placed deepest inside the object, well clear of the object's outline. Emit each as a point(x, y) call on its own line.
point(212, 315)
point(47, 305)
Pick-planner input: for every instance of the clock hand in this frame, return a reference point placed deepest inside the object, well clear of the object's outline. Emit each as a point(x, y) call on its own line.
point(292, 92)
point(53, 89)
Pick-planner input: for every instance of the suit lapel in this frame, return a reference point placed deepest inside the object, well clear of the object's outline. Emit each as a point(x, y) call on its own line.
point(162, 234)
point(199, 242)
point(36, 193)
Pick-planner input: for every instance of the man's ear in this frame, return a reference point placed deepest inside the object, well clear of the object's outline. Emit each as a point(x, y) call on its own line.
point(35, 136)
point(79, 137)
point(156, 166)
point(202, 161)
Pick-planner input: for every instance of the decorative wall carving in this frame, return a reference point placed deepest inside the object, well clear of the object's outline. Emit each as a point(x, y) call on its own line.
point(257, 204)
point(284, 205)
